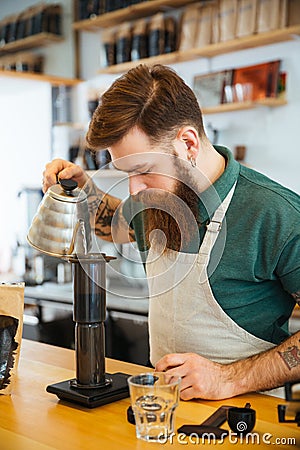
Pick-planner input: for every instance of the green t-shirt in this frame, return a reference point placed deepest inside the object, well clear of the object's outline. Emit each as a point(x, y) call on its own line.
point(260, 265)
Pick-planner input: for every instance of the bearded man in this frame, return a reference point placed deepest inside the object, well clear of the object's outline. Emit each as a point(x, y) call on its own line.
point(220, 242)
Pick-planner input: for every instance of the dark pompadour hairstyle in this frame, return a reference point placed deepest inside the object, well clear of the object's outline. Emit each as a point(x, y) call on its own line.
point(154, 98)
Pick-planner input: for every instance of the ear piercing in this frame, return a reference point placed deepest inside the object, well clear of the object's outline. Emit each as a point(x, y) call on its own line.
point(193, 162)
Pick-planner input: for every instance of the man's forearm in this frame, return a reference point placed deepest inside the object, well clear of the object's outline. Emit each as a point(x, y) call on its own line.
point(106, 212)
point(266, 370)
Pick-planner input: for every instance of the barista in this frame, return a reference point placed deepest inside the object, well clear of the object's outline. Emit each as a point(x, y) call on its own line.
point(220, 242)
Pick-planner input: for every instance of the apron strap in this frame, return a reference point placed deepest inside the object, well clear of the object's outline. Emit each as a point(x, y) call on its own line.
point(213, 228)
point(215, 224)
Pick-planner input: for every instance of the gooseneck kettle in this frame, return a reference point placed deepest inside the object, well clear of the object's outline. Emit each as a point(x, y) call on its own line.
point(61, 225)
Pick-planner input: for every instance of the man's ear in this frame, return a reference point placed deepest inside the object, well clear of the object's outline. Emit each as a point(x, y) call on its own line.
point(189, 136)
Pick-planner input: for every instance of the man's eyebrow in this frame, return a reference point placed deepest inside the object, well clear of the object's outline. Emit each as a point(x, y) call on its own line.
point(132, 169)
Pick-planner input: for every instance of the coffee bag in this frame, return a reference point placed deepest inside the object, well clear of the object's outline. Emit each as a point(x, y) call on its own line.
point(11, 326)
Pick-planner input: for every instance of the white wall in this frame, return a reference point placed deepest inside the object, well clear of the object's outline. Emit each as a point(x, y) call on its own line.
point(25, 143)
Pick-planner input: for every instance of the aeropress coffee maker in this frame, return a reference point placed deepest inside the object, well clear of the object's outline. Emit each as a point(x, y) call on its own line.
point(61, 228)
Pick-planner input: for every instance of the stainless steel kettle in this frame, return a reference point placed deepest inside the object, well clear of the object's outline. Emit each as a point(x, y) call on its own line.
point(61, 226)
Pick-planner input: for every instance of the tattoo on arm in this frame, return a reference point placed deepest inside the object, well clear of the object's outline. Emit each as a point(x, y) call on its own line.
point(105, 211)
point(94, 195)
point(103, 219)
point(291, 357)
point(296, 296)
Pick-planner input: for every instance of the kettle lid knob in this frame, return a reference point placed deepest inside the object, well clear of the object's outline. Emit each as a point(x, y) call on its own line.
point(68, 185)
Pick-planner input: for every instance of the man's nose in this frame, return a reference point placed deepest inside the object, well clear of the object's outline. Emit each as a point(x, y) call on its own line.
point(136, 184)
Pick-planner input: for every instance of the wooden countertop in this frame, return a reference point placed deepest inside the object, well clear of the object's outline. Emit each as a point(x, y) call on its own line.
point(32, 419)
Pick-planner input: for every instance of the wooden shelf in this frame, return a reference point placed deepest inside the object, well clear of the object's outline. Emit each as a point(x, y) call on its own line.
point(36, 40)
point(130, 13)
point(256, 40)
point(271, 102)
point(227, 107)
point(168, 58)
point(242, 43)
point(74, 125)
point(240, 106)
point(52, 79)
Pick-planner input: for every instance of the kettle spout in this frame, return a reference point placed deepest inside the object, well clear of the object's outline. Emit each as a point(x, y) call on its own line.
point(81, 239)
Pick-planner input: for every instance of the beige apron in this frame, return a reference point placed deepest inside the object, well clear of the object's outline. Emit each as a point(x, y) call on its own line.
point(184, 316)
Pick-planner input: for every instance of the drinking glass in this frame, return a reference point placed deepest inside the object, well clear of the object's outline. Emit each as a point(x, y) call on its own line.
point(154, 399)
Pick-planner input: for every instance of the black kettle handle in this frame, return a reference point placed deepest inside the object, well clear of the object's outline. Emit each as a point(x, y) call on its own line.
point(68, 185)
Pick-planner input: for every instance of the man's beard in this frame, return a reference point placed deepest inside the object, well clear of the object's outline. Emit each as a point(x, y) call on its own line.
point(175, 214)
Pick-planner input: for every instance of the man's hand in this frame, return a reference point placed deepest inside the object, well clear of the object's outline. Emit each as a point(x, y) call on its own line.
point(201, 378)
point(65, 170)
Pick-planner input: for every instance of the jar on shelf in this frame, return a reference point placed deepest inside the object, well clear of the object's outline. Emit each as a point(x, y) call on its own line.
point(156, 35)
point(139, 46)
point(109, 43)
point(123, 43)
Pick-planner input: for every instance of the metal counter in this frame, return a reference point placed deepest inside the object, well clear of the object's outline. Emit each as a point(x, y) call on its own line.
point(48, 318)
point(118, 298)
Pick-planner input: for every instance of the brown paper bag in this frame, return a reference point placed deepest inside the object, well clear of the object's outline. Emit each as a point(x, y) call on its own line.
point(215, 29)
point(189, 25)
point(268, 15)
point(283, 13)
point(11, 326)
point(246, 17)
point(293, 13)
point(204, 27)
point(228, 16)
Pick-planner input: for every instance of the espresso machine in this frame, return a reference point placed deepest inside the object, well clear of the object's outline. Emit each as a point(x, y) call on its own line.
point(61, 228)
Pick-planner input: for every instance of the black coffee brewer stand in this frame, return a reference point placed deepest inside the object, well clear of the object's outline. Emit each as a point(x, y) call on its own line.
point(92, 386)
point(290, 412)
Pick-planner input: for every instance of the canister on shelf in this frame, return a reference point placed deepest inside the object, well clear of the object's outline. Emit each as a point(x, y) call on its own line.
point(139, 46)
point(109, 42)
point(123, 43)
point(156, 35)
